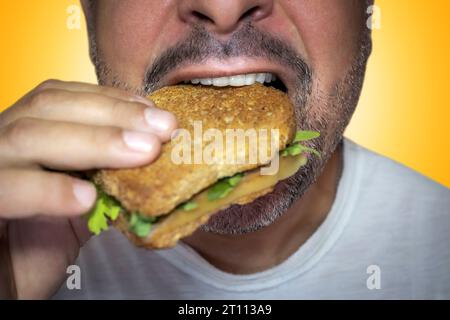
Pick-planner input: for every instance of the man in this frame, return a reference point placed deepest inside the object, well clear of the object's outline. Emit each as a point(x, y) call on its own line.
point(353, 224)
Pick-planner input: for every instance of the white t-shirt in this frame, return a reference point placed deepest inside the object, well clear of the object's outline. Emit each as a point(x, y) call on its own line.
point(387, 236)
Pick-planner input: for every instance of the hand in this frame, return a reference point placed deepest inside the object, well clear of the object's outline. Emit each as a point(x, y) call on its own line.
point(63, 126)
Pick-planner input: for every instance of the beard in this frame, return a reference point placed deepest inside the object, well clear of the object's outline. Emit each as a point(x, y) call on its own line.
point(327, 113)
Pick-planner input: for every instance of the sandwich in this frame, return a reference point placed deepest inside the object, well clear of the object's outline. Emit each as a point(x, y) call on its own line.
point(158, 204)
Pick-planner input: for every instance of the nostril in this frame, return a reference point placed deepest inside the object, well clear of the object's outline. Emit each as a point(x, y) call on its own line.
point(201, 17)
point(223, 16)
point(250, 13)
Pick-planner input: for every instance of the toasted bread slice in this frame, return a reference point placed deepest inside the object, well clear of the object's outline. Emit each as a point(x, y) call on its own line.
point(159, 187)
point(180, 223)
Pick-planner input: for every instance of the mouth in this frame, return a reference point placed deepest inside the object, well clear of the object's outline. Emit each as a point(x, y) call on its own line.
point(239, 80)
point(232, 72)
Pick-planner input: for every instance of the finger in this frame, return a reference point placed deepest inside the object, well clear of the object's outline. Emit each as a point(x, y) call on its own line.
point(95, 109)
point(87, 87)
point(84, 87)
point(73, 146)
point(26, 193)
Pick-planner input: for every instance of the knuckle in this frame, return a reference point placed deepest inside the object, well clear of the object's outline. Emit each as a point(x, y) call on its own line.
point(59, 186)
point(105, 138)
point(42, 98)
point(47, 84)
point(18, 132)
point(126, 111)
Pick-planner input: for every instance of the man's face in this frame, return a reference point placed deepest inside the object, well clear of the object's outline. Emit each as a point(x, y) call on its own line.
point(318, 49)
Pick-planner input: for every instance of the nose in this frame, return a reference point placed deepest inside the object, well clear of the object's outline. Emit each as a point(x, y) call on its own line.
point(223, 16)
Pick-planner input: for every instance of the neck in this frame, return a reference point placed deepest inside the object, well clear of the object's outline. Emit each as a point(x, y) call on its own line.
point(268, 247)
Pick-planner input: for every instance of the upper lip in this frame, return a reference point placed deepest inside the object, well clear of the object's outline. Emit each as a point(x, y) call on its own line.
point(216, 69)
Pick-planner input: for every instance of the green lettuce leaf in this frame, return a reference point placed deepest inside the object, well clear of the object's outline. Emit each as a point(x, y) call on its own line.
point(305, 136)
point(141, 225)
point(223, 187)
point(296, 148)
point(188, 206)
point(291, 150)
point(310, 150)
point(105, 208)
point(234, 180)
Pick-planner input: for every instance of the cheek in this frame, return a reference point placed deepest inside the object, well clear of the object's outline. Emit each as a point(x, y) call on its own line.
point(132, 33)
point(330, 31)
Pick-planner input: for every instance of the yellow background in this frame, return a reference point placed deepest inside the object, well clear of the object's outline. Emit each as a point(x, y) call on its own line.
point(404, 111)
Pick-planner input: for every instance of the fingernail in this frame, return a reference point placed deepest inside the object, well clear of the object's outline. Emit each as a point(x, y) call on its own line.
point(85, 193)
point(137, 141)
point(159, 120)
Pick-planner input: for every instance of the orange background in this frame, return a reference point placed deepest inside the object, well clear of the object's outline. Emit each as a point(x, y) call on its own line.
point(404, 111)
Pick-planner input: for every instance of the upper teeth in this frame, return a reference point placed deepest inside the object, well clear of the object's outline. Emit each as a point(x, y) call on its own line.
point(235, 81)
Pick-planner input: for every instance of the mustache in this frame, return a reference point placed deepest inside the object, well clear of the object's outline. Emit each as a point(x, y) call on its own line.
point(248, 41)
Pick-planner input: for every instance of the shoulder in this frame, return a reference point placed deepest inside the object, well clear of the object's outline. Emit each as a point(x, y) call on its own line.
point(399, 201)
point(404, 218)
point(388, 177)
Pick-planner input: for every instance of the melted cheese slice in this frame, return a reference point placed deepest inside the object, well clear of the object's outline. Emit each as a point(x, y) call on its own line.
point(180, 222)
